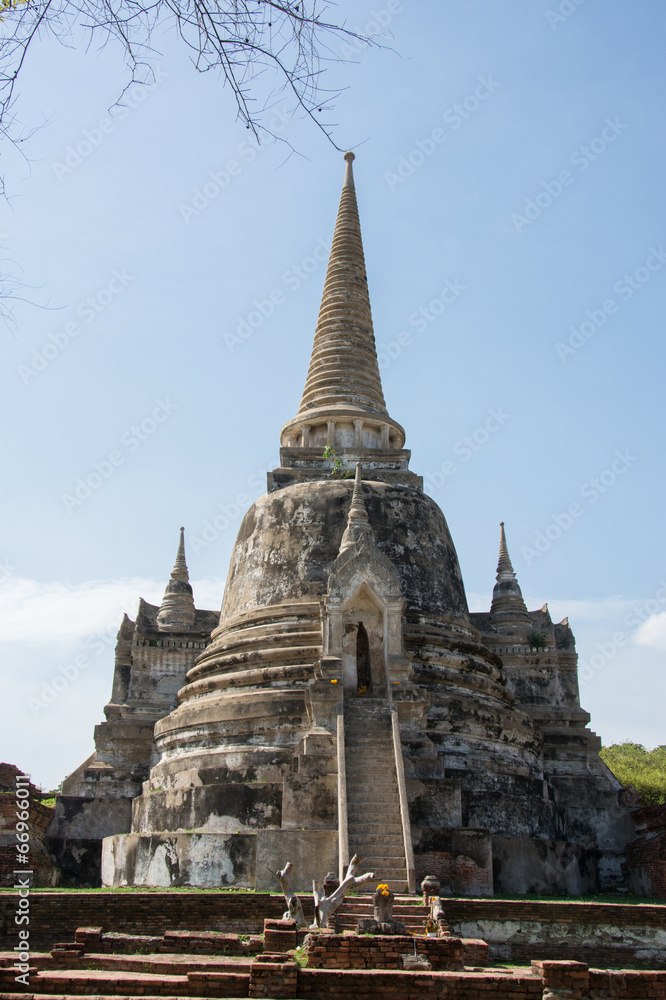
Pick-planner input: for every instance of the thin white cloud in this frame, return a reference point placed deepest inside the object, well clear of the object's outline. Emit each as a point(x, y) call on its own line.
point(653, 632)
point(33, 611)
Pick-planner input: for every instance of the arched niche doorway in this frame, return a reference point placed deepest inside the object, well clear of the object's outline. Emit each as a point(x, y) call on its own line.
point(364, 644)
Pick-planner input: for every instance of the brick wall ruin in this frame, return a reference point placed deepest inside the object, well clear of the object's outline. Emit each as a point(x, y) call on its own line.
point(645, 868)
point(45, 871)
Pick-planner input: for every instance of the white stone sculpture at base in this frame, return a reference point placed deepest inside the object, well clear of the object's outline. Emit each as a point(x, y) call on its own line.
point(325, 906)
point(294, 905)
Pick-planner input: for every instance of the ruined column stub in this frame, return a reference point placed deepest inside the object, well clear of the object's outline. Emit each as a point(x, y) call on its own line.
point(343, 402)
point(508, 609)
point(177, 609)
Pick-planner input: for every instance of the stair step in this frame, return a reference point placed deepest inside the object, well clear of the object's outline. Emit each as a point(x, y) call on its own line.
point(368, 740)
point(372, 749)
point(368, 758)
point(383, 800)
point(377, 810)
point(362, 777)
point(386, 860)
point(360, 829)
point(363, 844)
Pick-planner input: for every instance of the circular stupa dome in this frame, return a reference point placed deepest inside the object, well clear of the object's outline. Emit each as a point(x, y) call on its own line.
point(289, 539)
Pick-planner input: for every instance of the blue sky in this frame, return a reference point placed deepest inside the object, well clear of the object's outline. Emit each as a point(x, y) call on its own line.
point(510, 181)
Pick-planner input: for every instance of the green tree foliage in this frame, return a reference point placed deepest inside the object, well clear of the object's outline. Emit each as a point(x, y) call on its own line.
point(644, 770)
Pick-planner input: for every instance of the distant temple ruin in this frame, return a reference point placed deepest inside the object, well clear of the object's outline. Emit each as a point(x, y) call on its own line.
point(345, 699)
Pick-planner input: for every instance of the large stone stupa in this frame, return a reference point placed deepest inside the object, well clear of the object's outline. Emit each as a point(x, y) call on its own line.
point(347, 700)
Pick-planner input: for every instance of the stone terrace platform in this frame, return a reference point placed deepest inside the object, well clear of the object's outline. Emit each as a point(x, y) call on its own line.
point(216, 964)
point(610, 935)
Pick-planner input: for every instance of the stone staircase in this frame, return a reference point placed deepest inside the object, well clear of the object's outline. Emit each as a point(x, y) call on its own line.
point(410, 910)
point(373, 803)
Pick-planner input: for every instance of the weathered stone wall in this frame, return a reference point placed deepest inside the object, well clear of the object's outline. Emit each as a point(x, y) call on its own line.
point(645, 867)
point(522, 865)
point(602, 934)
point(462, 859)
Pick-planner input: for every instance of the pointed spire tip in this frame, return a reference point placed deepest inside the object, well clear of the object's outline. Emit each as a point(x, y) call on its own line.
point(177, 610)
point(507, 606)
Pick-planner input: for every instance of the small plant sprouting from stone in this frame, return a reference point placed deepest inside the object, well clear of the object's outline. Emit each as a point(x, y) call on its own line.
point(537, 640)
point(301, 956)
point(339, 470)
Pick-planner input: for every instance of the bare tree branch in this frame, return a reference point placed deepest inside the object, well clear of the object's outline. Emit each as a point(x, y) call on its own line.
point(260, 48)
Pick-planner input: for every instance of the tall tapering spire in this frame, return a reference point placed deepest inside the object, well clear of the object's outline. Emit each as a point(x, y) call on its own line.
point(508, 607)
point(343, 402)
point(343, 367)
point(177, 610)
point(357, 520)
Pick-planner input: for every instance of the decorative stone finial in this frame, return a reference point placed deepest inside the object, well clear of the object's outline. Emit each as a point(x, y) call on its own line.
point(357, 520)
point(177, 611)
point(349, 173)
point(507, 607)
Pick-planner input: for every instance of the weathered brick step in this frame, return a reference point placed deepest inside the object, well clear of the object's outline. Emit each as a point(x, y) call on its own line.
point(368, 727)
point(348, 922)
point(360, 728)
point(364, 704)
point(358, 774)
point(360, 788)
point(354, 908)
point(365, 729)
point(363, 796)
point(360, 829)
point(383, 812)
point(391, 875)
point(376, 757)
point(91, 982)
point(373, 865)
point(396, 860)
point(357, 797)
point(363, 793)
point(375, 833)
point(362, 771)
point(174, 963)
point(364, 845)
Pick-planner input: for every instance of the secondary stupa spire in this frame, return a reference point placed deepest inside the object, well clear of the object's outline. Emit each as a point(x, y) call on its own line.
point(357, 520)
point(343, 402)
point(508, 607)
point(177, 610)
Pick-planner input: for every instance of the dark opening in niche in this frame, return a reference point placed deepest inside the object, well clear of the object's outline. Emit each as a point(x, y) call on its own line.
point(363, 674)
